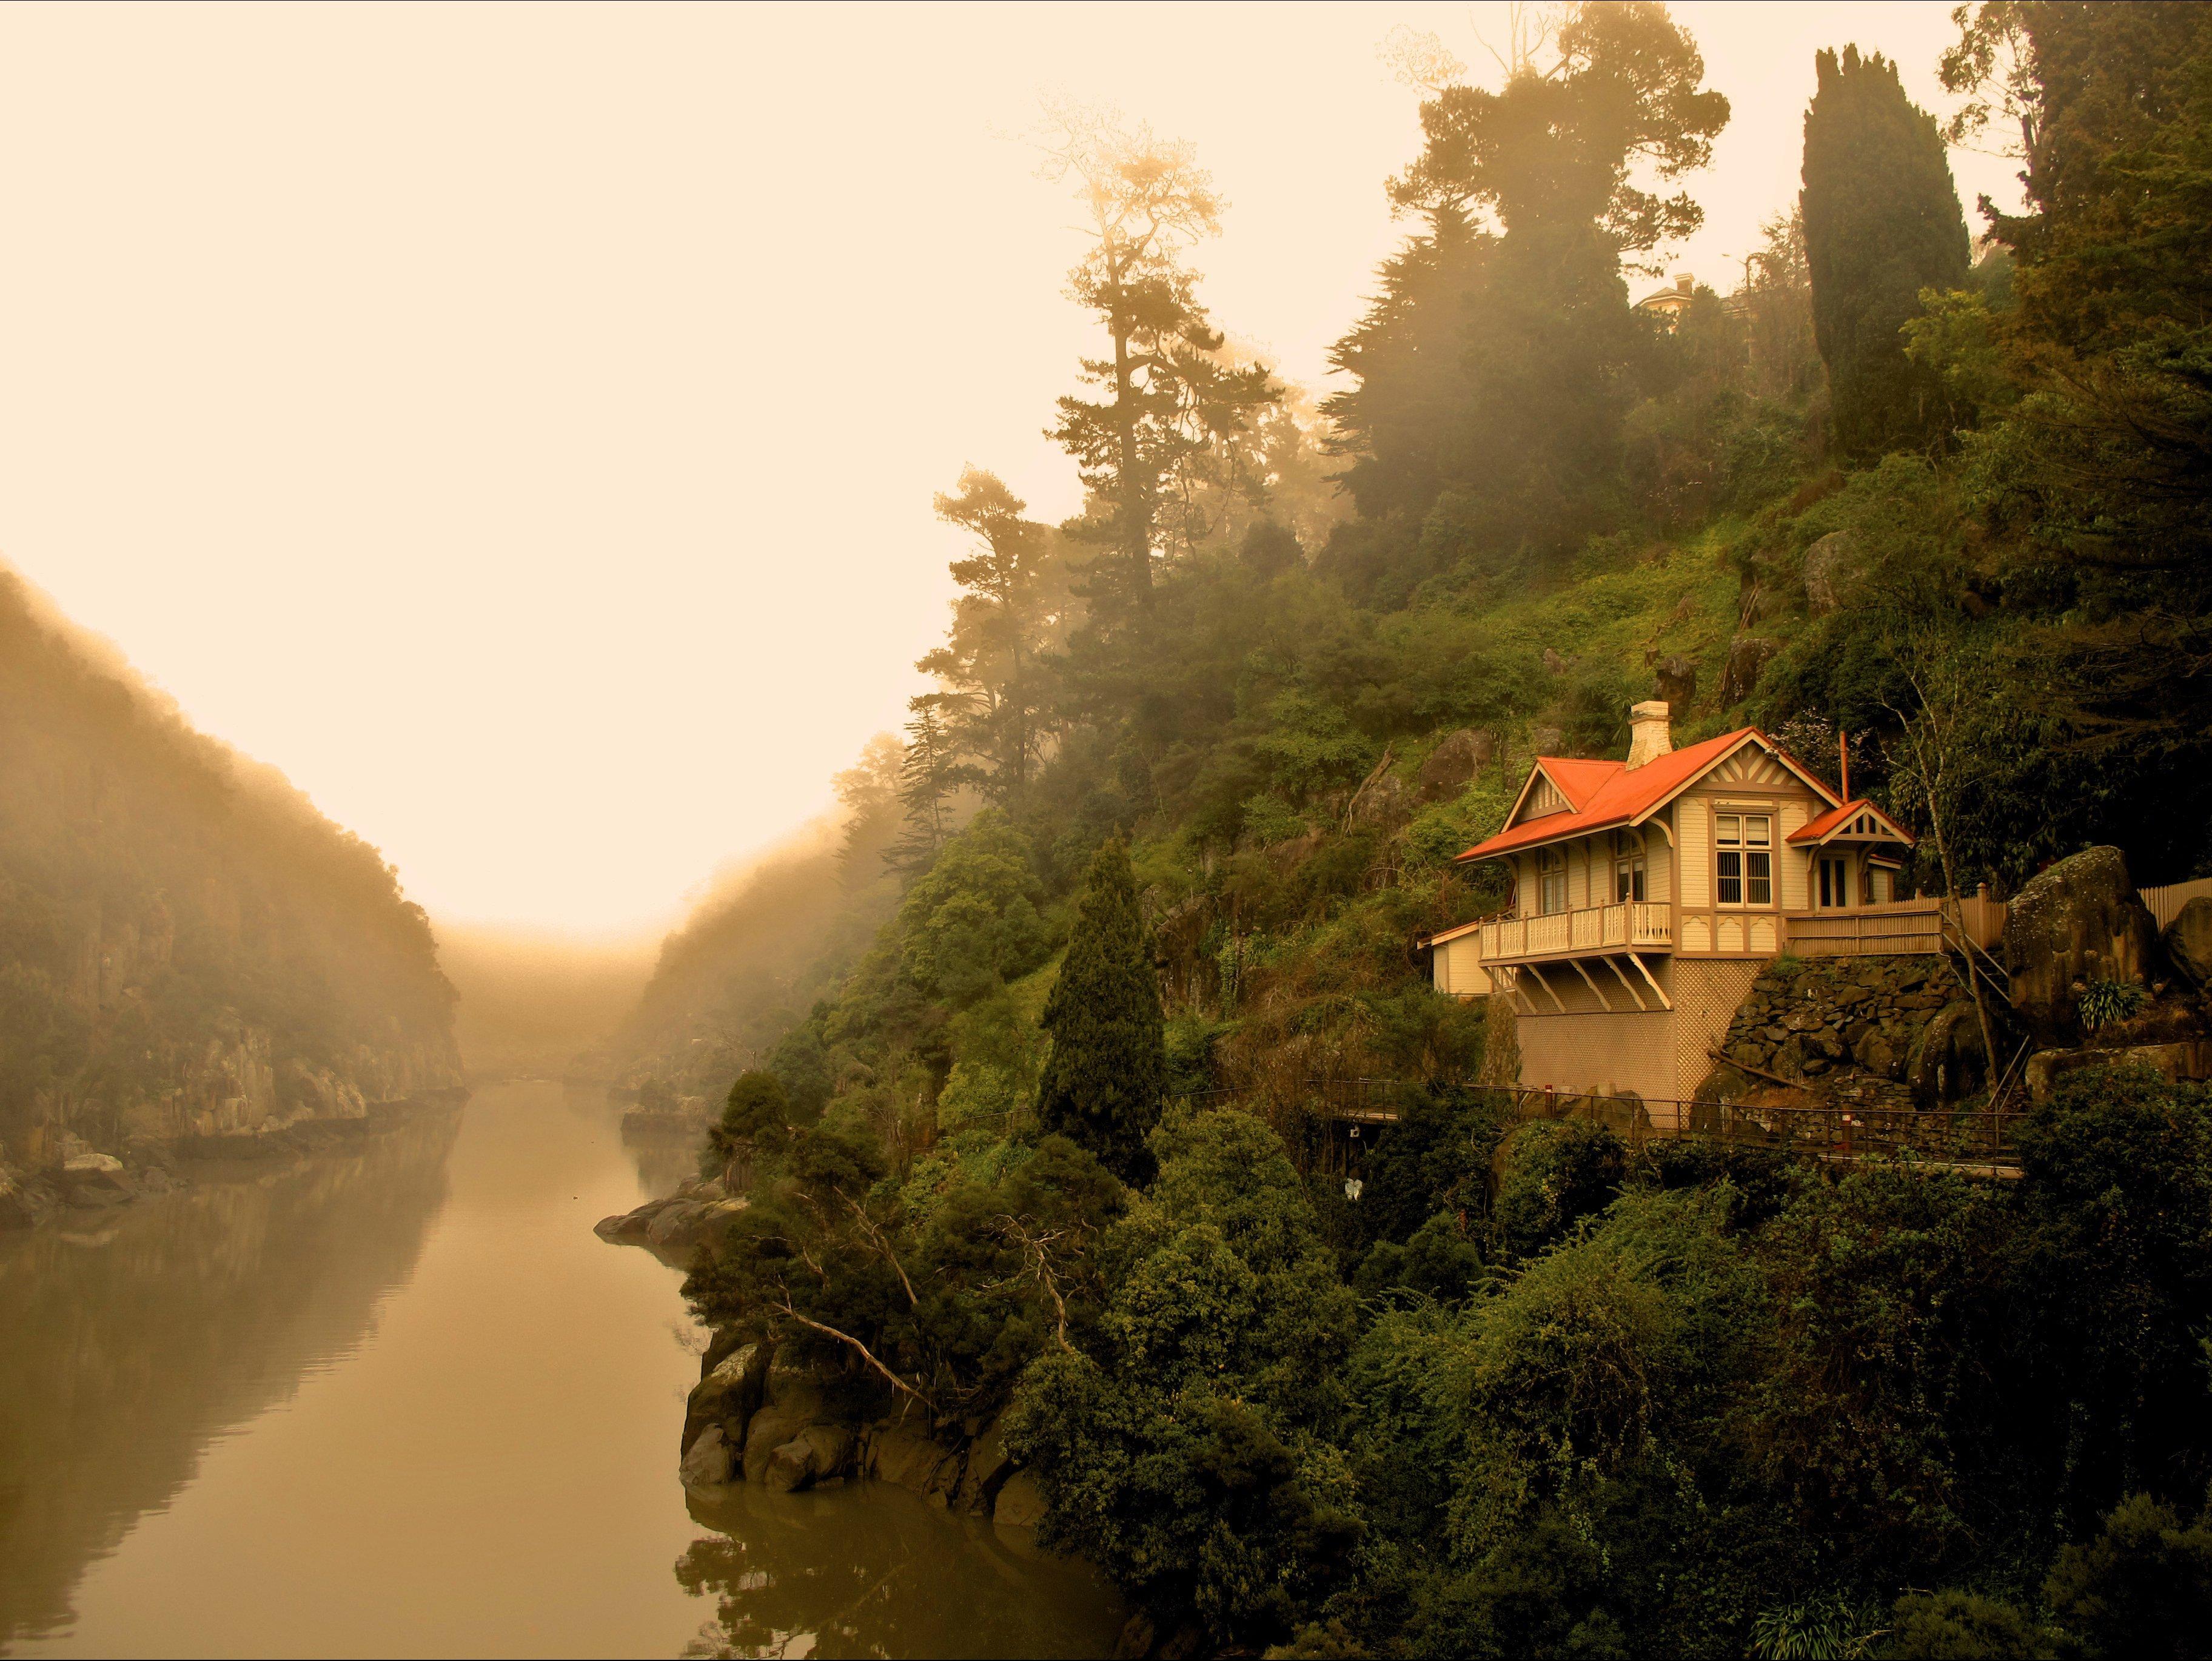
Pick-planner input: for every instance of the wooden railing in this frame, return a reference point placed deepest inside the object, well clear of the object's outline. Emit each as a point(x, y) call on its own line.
point(1898, 928)
point(1627, 925)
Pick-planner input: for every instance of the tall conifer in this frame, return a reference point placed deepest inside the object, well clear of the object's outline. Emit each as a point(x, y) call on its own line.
point(1882, 223)
point(1107, 1073)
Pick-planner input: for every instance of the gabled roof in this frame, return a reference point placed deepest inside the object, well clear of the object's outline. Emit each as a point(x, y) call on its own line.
point(1612, 794)
point(1859, 820)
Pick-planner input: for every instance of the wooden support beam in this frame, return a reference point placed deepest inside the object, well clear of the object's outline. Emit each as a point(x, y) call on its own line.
point(1663, 1001)
point(1627, 983)
point(1590, 983)
point(1546, 985)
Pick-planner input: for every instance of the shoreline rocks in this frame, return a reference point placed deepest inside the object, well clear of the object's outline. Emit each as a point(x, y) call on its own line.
point(769, 1419)
point(672, 1226)
point(79, 1178)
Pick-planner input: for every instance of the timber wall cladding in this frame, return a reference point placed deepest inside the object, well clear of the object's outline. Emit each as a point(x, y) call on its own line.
point(1706, 997)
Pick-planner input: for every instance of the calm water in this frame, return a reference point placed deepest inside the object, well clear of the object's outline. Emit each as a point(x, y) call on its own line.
point(404, 1402)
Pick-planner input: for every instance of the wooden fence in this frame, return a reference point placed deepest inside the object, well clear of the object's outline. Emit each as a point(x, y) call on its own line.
point(2166, 901)
point(1872, 931)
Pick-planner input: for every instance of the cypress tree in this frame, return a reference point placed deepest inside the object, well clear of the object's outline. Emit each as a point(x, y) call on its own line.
point(1882, 223)
point(1107, 1073)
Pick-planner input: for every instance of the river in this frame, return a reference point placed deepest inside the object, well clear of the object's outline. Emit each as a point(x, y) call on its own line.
point(401, 1401)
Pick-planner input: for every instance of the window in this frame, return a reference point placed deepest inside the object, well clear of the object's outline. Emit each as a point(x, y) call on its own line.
point(1835, 883)
point(1744, 851)
point(1627, 868)
point(1551, 880)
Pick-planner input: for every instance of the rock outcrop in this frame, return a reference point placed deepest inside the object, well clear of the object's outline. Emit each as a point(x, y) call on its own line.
point(673, 1225)
point(1456, 763)
point(2079, 921)
point(1748, 658)
point(1834, 566)
point(1677, 684)
point(756, 1417)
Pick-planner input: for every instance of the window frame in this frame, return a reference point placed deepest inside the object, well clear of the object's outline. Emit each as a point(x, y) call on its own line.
point(1628, 869)
point(1753, 876)
point(1551, 864)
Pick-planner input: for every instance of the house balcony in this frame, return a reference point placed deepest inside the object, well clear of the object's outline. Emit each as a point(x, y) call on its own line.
point(1627, 926)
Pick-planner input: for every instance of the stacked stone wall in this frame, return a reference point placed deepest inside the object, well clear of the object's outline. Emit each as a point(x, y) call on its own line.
point(1836, 1023)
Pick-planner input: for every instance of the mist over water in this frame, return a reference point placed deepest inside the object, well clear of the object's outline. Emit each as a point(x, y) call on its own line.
point(402, 1402)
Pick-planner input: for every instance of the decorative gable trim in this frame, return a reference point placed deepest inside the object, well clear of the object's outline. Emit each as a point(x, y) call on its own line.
point(1771, 765)
point(1540, 797)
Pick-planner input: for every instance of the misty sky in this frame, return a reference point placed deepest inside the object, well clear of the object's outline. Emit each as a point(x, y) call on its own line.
point(519, 424)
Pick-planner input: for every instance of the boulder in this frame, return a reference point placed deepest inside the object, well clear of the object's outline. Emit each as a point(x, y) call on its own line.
point(989, 1464)
point(2078, 921)
point(817, 1453)
point(707, 1462)
point(1949, 1061)
point(1555, 662)
point(1748, 656)
point(728, 1396)
point(1548, 740)
point(1380, 803)
point(1456, 763)
point(771, 1427)
point(1833, 568)
point(911, 1460)
point(1678, 685)
point(624, 1225)
point(1020, 1504)
point(2187, 942)
point(675, 1225)
point(2174, 1061)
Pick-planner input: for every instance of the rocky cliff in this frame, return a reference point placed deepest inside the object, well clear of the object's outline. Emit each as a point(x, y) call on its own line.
point(187, 948)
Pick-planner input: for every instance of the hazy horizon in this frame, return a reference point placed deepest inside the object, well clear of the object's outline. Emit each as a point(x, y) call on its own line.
point(519, 425)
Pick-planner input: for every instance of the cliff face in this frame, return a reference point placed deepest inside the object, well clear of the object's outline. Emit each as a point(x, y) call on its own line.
point(187, 947)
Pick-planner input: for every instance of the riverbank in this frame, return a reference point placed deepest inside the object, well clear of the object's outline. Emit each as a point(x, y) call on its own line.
point(83, 1182)
point(398, 1400)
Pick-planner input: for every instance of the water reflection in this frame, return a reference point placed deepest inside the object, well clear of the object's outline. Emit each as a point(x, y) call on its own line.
point(128, 1347)
point(876, 1571)
point(404, 1402)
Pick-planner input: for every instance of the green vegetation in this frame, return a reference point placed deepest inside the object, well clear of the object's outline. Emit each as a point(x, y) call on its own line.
point(1526, 1388)
point(187, 946)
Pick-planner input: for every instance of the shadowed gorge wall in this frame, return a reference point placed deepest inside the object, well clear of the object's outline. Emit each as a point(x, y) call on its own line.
point(187, 947)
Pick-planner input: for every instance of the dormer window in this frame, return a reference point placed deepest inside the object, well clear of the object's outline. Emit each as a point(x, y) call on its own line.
point(1744, 856)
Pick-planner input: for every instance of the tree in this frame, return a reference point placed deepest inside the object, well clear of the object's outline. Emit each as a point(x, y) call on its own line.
point(1882, 223)
point(1166, 389)
point(868, 791)
point(1498, 363)
point(1107, 1072)
point(991, 665)
point(926, 784)
point(755, 1123)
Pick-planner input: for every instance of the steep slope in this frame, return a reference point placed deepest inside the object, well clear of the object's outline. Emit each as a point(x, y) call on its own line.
point(187, 947)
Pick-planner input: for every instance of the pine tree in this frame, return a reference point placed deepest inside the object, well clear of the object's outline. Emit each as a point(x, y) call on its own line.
point(1882, 223)
point(1107, 1073)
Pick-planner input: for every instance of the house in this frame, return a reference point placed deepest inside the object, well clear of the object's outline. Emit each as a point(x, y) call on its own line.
point(1668, 304)
point(1648, 893)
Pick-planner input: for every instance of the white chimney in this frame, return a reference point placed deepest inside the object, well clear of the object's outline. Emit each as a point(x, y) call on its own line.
point(1650, 736)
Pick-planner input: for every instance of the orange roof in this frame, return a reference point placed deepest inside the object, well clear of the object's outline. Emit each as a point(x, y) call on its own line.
point(1604, 794)
point(1836, 816)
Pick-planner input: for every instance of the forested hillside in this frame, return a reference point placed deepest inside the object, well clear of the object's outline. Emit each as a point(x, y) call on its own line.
point(187, 947)
point(1186, 791)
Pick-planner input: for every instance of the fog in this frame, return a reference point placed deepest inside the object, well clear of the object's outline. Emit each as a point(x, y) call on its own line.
point(518, 425)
